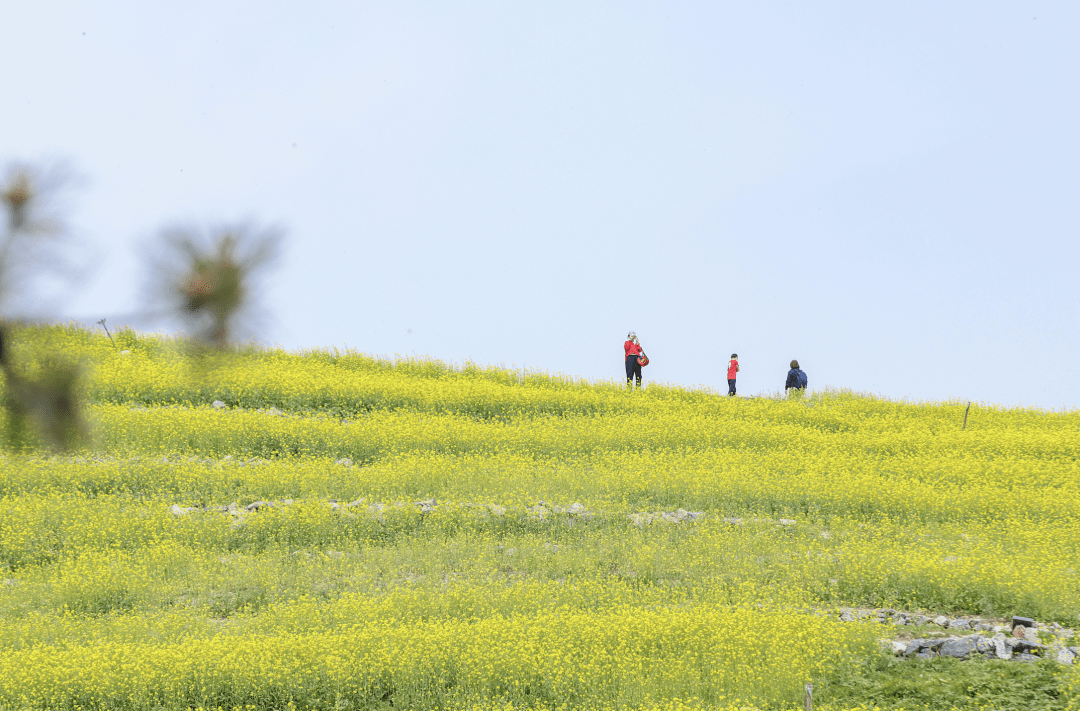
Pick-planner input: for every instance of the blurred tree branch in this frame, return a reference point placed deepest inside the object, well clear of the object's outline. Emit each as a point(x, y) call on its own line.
point(207, 277)
point(48, 402)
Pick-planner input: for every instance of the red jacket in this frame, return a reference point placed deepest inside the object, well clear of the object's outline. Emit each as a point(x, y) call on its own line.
point(631, 348)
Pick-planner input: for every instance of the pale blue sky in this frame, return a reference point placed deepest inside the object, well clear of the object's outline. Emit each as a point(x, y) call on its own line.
point(886, 192)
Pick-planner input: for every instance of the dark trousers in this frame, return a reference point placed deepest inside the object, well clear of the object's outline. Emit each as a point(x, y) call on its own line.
point(633, 368)
point(731, 386)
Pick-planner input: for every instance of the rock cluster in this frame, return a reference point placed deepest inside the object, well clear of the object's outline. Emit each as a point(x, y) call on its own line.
point(999, 646)
point(676, 516)
point(741, 521)
point(541, 511)
point(1023, 640)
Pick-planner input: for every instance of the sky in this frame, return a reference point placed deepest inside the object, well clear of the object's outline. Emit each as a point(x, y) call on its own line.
point(886, 192)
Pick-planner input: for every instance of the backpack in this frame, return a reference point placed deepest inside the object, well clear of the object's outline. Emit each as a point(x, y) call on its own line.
point(802, 378)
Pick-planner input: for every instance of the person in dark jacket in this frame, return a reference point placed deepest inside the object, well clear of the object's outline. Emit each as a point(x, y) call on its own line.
point(796, 379)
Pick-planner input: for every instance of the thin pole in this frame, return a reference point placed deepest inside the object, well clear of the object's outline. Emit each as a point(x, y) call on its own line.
point(809, 695)
point(964, 426)
point(102, 322)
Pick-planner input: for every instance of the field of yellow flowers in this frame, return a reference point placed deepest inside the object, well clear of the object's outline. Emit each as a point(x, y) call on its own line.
point(343, 531)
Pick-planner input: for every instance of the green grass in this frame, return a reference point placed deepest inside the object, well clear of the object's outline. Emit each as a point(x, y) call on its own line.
point(944, 683)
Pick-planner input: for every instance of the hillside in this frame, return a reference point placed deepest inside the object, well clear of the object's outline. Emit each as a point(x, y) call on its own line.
point(328, 529)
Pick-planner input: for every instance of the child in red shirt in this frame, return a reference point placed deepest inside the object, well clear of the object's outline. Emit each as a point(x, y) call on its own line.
point(732, 369)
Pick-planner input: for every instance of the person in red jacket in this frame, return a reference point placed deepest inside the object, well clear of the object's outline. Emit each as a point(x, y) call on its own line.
point(632, 349)
point(732, 369)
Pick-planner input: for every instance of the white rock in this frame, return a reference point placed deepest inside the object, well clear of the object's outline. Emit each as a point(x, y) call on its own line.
point(1001, 649)
point(899, 647)
point(125, 352)
point(219, 405)
point(1065, 656)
